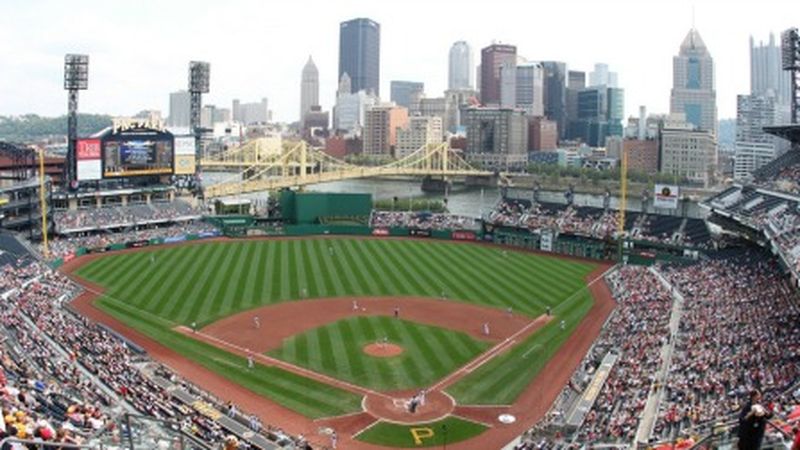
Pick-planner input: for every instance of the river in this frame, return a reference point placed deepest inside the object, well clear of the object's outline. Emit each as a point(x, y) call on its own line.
point(473, 201)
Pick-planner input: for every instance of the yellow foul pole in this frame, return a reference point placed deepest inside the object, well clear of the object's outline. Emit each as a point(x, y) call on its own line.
point(623, 193)
point(43, 203)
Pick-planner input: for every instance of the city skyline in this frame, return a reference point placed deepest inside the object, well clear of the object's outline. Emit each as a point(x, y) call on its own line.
point(131, 74)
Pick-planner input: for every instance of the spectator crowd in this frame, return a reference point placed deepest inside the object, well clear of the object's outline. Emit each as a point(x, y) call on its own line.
point(64, 379)
point(738, 330)
point(64, 245)
point(124, 216)
point(423, 220)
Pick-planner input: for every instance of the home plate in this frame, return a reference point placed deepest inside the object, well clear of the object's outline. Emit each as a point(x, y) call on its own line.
point(506, 418)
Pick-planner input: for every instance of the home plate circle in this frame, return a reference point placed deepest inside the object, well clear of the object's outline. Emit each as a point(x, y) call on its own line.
point(506, 418)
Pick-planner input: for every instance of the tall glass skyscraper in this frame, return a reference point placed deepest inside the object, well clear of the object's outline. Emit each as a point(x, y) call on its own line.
point(460, 66)
point(360, 54)
point(693, 92)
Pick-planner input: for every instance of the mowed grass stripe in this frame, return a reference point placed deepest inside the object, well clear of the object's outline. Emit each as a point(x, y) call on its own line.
point(255, 278)
point(287, 284)
point(369, 269)
point(510, 294)
point(356, 265)
point(155, 285)
point(553, 280)
point(329, 270)
point(462, 271)
point(391, 272)
point(306, 271)
point(324, 283)
point(453, 284)
point(193, 293)
point(188, 279)
point(229, 296)
point(345, 264)
point(208, 300)
point(417, 281)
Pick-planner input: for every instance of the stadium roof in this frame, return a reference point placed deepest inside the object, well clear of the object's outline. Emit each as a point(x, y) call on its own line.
point(788, 132)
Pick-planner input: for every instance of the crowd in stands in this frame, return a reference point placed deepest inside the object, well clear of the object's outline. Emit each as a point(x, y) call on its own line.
point(738, 329)
point(589, 221)
point(423, 220)
point(61, 246)
point(45, 396)
point(123, 216)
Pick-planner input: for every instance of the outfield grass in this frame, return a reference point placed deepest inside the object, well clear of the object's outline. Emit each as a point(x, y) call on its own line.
point(395, 435)
point(335, 349)
point(205, 282)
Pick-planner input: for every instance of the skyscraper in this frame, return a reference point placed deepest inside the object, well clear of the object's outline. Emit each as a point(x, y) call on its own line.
point(767, 77)
point(309, 89)
point(555, 93)
point(360, 54)
point(530, 88)
point(492, 59)
point(406, 93)
point(601, 76)
point(754, 147)
point(693, 91)
point(576, 81)
point(459, 74)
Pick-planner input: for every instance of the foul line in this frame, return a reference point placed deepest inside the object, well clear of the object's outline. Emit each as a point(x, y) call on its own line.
point(335, 382)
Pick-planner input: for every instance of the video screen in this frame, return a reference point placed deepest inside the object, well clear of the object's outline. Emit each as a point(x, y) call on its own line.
point(138, 157)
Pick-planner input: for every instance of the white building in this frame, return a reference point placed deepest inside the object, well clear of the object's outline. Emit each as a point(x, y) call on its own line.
point(459, 75)
point(693, 93)
point(687, 152)
point(179, 109)
point(754, 147)
point(251, 113)
point(348, 114)
point(420, 131)
point(767, 75)
point(508, 84)
point(309, 89)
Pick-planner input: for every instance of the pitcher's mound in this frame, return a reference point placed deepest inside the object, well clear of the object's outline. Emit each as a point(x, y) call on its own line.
point(383, 350)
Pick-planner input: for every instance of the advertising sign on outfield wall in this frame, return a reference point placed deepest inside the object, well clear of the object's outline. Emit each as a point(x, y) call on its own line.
point(464, 236)
point(666, 196)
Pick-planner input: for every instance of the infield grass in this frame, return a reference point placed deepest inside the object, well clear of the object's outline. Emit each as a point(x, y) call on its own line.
point(204, 282)
point(449, 430)
point(335, 349)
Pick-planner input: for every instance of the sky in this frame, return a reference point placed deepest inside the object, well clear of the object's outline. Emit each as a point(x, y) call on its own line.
point(139, 50)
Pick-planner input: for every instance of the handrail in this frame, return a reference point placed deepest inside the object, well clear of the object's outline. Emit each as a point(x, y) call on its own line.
point(61, 445)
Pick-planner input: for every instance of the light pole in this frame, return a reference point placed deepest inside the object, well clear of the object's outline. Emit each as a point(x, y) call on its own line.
point(199, 80)
point(76, 78)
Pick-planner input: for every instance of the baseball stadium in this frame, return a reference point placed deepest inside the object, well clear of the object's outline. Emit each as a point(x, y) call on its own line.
point(167, 289)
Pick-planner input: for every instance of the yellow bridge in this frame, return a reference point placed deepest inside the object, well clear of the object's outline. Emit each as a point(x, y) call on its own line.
point(263, 166)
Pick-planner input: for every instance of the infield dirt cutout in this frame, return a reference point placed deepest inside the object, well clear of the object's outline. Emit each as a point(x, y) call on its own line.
point(383, 350)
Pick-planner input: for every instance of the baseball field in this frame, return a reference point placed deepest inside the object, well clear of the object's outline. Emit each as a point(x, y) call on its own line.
point(472, 324)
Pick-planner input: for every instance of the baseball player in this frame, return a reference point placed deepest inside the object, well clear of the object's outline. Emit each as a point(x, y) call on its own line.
point(486, 328)
point(256, 322)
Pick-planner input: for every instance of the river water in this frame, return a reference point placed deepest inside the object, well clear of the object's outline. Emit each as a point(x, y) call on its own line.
point(472, 201)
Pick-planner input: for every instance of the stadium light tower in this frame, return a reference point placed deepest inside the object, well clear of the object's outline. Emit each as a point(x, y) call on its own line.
point(76, 78)
point(790, 52)
point(199, 77)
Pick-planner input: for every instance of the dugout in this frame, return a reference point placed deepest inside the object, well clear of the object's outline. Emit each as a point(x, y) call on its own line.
point(308, 208)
